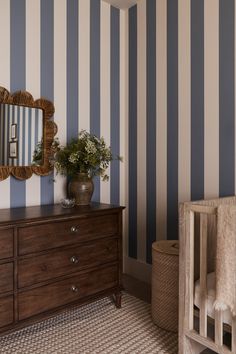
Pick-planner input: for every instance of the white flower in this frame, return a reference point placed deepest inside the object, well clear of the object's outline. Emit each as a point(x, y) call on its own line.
point(90, 147)
point(74, 157)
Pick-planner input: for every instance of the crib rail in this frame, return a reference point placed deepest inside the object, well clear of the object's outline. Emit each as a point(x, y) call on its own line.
point(199, 335)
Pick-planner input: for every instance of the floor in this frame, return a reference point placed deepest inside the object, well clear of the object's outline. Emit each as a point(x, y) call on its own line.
point(95, 328)
point(142, 291)
point(137, 288)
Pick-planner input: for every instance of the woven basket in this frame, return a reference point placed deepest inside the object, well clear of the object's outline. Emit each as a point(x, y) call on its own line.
point(165, 280)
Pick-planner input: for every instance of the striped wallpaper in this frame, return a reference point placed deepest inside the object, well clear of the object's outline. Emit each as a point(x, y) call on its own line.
point(157, 81)
point(68, 51)
point(181, 113)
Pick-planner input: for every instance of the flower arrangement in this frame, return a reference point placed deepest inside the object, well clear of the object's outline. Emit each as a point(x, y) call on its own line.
point(86, 154)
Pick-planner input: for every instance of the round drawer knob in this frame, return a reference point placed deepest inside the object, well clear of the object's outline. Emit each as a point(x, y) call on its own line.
point(74, 260)
point(74, 289)
point(74, 229)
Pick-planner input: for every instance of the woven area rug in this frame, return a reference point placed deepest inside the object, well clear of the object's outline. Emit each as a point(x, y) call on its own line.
point(94, 328)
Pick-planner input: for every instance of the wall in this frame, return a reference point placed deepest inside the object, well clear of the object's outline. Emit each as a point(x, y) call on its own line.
point(68, 51)
point(181, 114)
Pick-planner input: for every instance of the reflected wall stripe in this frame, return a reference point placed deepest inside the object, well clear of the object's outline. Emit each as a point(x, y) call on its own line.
point(161, 125)
point(172, 119)
point(84, 64)
point(30, 123)
point(95, 80)
point(17, 80)
point(72, 72)
point(184, 89)
point(105, 87)
point(211, 103)
point(226, 94)
point(151, 128)
point(141, 128)
point(21, 138)
point(47, 80)
point(115, 104)
point(62, 114)
point(132, 141)
point(2, 136)
point(197, 99)
point(32, 134)
point(10, 120)
point(26, 127)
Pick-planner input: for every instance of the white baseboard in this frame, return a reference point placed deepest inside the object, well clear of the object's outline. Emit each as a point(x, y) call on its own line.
point(138, 269)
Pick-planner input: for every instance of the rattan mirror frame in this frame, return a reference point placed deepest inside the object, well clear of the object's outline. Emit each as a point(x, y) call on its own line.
point(24, 98)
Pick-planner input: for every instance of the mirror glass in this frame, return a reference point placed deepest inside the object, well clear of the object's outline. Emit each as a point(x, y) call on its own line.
point(21, 135)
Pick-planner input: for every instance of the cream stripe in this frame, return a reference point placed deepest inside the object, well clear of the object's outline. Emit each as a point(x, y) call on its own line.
point(161, 72)
point(105, 87)
point(20, 141)
point(235, 89)
point(60, 86)
point(5, 81)
point(211, 86)
point(33, 81)
point(124, 104)
point(1, 137)
point(184, 36)
point(84, 64)
point(141, 130)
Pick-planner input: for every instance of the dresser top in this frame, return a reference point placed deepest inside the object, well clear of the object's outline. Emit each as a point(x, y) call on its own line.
point(26, 214)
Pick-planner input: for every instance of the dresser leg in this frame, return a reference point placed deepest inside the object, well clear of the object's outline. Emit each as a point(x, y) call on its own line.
point(117, 299)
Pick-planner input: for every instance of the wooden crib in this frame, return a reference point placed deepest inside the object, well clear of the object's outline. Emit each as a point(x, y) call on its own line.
point(198, 229)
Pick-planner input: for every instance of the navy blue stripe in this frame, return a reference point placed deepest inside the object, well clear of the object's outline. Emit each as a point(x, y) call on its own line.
point(197, 99)
point(47, 80)
point(151, 127)
point(115, 104)
point(37, 134)
point(29, 135)
point(17, 80)
point(17, 121)
point(95, 79)
point(226, 107)
point(23, 138)
point(72, 69)
point(172, 119)
point(133, 132)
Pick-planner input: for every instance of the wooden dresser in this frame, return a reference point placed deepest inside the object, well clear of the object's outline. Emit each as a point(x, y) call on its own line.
point(52, 258)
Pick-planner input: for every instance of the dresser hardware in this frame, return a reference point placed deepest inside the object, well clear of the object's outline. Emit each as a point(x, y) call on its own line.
point(74, 289)
point(74, 229)
point(74, 260)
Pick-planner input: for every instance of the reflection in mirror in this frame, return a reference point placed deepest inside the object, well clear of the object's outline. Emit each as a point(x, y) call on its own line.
point(21, 135)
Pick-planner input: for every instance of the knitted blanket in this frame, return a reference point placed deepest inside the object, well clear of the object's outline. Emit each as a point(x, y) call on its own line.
point(226, 259)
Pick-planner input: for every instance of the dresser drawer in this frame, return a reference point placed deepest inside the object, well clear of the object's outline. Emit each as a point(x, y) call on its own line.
point(55, 234)
point(58, 263)
point(6, 243)
point(63, 292)
point(6, 277)
point(6, 311)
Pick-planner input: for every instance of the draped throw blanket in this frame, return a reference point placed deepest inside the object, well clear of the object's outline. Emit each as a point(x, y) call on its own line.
point(226, 259)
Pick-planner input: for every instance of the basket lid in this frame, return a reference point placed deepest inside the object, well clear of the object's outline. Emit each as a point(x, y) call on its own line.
point(167, 246)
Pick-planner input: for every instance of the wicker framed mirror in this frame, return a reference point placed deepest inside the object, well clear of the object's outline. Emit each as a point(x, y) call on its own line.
point(26, 135)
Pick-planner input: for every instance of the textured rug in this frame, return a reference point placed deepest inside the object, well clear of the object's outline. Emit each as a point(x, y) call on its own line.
point(94, 328)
